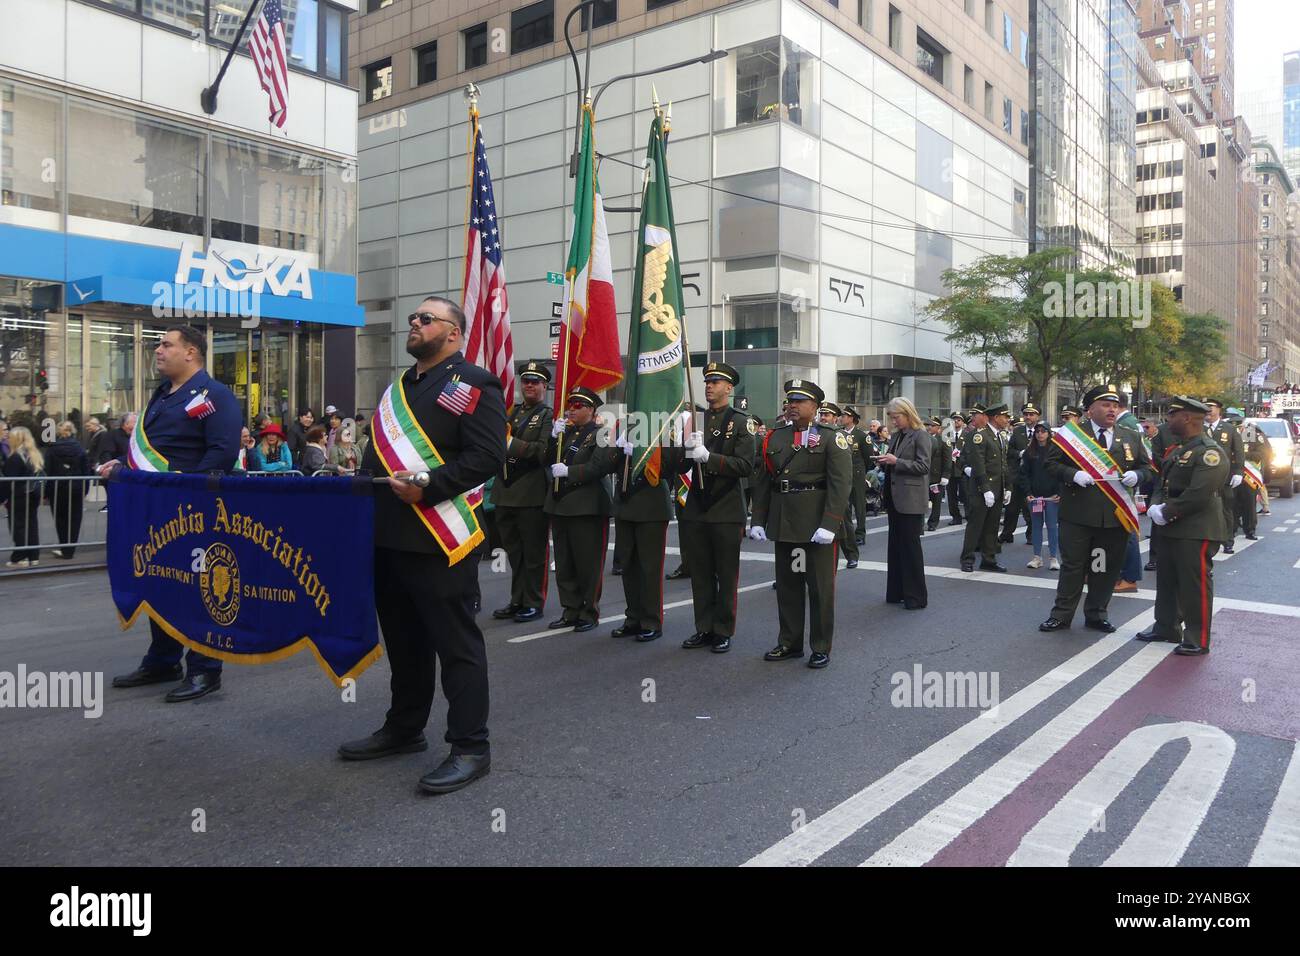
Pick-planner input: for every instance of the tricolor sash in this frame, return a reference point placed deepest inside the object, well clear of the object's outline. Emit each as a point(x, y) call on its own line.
point(1252, 475)
point(141, 455)
point(1087, 455)
point(402, 445)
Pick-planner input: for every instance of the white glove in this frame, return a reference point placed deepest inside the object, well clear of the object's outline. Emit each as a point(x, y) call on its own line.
point(558, 426)
point(559, 470)
point(694, 439)
point(1083, 479)
point(699, 453)
point(1157, 513)
point(822, 536)
point(1236, 480)
point(967, 470)
point(943, 482)
point(1129, 479)
point(757, 533)
point(1006, 497)
point(988, 499)
point(934, 489)
point(626, 445)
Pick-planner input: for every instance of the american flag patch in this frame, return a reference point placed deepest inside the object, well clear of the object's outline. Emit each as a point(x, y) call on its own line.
point(458, 398)
point(200, 406)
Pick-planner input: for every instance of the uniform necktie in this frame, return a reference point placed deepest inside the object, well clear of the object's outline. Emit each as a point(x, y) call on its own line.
point(1101, 438)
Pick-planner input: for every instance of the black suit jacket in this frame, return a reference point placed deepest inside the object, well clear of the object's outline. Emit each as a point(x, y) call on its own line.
point(472, 446)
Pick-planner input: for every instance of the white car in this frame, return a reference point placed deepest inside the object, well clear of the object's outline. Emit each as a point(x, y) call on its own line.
point(1281, 466)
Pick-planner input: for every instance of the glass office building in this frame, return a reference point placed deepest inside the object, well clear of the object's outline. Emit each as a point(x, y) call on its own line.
point(1083, 78)
point(124, 208)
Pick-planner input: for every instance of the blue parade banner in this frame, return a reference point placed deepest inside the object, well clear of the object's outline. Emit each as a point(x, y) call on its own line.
point(248, 569)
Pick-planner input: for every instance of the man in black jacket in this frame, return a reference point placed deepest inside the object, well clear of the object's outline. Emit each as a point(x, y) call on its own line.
point(940, 471)
point(424, 594)
point(118, 442)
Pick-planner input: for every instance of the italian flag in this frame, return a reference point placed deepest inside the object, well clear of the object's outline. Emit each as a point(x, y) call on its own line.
point(589, 353)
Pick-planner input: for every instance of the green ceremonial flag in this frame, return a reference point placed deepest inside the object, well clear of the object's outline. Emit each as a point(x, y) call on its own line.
point(656, 350)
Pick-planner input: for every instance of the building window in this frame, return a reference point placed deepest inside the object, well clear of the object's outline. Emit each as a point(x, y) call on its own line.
point(930, 56)
point(1267, 200)
point(1160, 43)
point(532, 26)
point(1263, 287)
point(476, 46)
point(1266, 223)
point(1263, 308)
point(968, 86)
point(1006, 115)
point(373, 5)
point(895, 29)
point(1264, 264)
point(1024, 127)
point(865, 14)
point(379, 80)
point(605, 12)
point(1024, 48)
point(315, 31)
point(426, 63)
point(656, 4)
point(990, 18)
point(774, 80)
point(1007, 31)
point(988, 101)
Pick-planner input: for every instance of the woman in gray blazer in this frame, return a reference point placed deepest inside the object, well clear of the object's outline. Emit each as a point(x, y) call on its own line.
point(907, 495)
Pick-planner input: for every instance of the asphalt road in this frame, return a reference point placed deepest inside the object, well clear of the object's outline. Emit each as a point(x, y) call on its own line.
point(610, 752)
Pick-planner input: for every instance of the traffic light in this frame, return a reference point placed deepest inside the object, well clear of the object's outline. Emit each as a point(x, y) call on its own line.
point(43, 380)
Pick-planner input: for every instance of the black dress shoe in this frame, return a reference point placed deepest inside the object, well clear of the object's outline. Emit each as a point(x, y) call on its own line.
point(850, 565)
point(382, 743)
point(616, 569)
point(582, 626)
point(1229, 549)
point(1006, 540)
point(676, 573)
point(782, 653)
point(1149, 566)
point(140, 676)
point(458, 770)
point(913, 605)
point(986, 566)
point(1150, 635)
point(698, 640)
point(1103, 625)
point(510, 610)
point(1054, 624)
point(721, 644)
point(932, 527)
point(1251, 537)
point(625, 630)
point(645, 637)
point(773, 585)
point(194, 687)
point(1191, 650)
point(818, 659)
point(861, 541)
point(561, 622)
point(954, 521)
point(968, 566)
point(526, 614)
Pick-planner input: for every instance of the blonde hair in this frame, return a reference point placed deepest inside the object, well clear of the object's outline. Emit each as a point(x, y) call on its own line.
point(22, 443)
point(902, 405)
point(66, 430)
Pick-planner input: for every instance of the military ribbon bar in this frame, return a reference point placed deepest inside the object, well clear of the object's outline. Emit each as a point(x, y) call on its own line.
point(1091, 458)
point(402, 445)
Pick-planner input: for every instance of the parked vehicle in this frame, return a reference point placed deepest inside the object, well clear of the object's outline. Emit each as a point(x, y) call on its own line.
point(1281, 466)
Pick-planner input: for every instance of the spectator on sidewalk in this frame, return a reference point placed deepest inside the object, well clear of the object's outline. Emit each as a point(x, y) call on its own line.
point(66, 460)
point(22, 496)
point(344, 455)
point(297, 435)
point(1043, 493)
point(314, 456)
point(271, 453)
point(118, 443)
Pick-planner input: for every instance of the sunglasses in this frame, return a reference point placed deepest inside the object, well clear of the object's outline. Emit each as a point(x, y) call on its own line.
point(426, 318)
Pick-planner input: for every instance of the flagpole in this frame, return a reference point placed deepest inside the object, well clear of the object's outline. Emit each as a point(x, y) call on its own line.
point(208, 98)
point(471, 93)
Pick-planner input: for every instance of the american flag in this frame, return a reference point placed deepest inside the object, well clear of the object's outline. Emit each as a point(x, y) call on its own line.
point(486, 305)
point(457, 397)
point(268, 49)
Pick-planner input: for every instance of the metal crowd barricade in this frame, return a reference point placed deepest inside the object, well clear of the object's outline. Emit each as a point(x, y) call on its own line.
point(52, 522)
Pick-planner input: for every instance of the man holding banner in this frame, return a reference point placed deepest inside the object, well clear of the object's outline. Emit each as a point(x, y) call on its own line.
point(445, 417)
point(1098, 465)
point(191, 424)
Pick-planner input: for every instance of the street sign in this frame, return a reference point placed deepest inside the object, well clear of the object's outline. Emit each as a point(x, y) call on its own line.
point(555, 329)
point(555, 278)
point(557, 310)
point(743, 403)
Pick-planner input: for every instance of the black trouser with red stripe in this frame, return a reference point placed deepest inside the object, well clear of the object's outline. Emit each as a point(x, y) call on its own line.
point(639, 548)
point(580, 546)
point(805, 578)
point(1185, 590)
point(715, 572)
point(523, 535)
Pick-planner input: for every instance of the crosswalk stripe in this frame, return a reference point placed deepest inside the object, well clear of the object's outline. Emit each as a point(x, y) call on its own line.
point(1279, 844)
point(920, 842)
point(827, 831)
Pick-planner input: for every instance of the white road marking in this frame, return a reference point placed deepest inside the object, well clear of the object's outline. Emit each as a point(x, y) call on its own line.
point(1237, 549)
point(920, 842)
point(1296, 565)
point(1281, 529)
point(1166, 828)
point(1279, 844)
point(827, 831)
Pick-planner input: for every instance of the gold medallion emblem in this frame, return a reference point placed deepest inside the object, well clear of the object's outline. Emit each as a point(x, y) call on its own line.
point(219, 584)
point(1211, 458)
point(841, 440)
point(752, 426)
point(977, 438)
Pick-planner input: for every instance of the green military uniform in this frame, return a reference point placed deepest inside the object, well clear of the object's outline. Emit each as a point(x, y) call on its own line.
point(940, 468)
point(863, 461)
point(985, 454)
point(579, 513)
point(519, 499)
point(957, 480)
point(1088, 522)
point(1020, 438)
point(802, 489)
point(711, 523)
point(846, 535)
point(1191, 492)
point(641, 515)
point(1162, 446)
point(1229, 439)
point(1257, 453)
